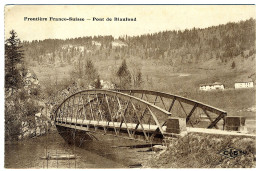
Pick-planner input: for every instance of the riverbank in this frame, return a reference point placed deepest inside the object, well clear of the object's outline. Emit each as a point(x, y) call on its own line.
point(199, 150)
point(196, 150)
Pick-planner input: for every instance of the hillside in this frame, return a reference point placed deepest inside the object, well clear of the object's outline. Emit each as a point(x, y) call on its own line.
point(224, 53)
point(176, 62)
point(222, 43)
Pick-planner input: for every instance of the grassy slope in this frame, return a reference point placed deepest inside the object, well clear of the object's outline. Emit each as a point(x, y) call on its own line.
point(181, 79)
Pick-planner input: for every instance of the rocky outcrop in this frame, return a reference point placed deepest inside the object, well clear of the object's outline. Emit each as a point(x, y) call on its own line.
point(41, 126)
point(26, 115)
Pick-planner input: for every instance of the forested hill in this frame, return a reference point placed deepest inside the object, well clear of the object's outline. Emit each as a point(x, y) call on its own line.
point(222, 42)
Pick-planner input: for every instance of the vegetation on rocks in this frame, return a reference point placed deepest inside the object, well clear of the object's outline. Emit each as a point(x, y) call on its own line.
point(19, 107)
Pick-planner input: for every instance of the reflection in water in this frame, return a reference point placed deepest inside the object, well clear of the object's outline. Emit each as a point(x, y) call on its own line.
point(27, 153)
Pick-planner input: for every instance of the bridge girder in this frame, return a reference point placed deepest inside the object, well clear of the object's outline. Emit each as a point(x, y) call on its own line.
point(213, 114)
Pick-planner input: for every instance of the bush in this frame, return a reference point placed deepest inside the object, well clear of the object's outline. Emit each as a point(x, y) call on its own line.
point(30, 108)
point(35, 91)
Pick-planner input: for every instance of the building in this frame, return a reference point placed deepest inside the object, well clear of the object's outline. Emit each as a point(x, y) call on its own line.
point(244, 84)
point(212, 86)
point(96, 43)
point(118, 43)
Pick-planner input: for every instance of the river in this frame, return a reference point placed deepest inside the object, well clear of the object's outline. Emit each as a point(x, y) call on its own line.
point(27, 153)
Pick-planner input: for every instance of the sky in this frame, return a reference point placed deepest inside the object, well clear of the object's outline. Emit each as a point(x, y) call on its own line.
point(150, 19)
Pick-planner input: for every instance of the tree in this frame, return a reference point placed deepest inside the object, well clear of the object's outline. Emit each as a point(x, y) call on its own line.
point(90, 71)
point(97, 83)
point(138, 80)
point(233, 65)
point(80, 72)
point(13, 57)
point(124, 76)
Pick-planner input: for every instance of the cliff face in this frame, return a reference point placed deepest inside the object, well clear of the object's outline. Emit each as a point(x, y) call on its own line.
point(26, 115)
point(31, 128)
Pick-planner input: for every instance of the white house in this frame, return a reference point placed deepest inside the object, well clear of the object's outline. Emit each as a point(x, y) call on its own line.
point(212, 86)
point(96, 43)
point(244, 84)
point(118, 43)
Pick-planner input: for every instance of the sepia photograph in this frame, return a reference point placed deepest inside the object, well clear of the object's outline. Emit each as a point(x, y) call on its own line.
point(129, 86)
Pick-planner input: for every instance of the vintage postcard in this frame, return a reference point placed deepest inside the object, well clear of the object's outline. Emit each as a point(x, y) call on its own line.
point(130, 86)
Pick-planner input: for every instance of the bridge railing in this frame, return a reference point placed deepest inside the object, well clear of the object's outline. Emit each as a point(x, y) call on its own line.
point(197, 114)
point(114, 110)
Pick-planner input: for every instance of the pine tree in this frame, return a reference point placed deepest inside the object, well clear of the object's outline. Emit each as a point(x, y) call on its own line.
point(90, 71)
point(138, 80)
point(80, 72)
point(13, 56)
point(124, 76)
point(233, 65)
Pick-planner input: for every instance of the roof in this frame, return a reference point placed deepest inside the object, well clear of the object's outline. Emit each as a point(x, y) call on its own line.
point(211, 84)
point(217, 83)
point(244, 80)
point(119, 42)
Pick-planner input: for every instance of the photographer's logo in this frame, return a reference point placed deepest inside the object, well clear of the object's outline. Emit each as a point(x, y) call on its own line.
point(231, 152)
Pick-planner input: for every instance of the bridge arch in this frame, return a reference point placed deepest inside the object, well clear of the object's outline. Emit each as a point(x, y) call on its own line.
point(108, 109)
point(133, 112)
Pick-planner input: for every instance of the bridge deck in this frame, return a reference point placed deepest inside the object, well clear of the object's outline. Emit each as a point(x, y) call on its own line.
point(84, 125)
point(71, 123)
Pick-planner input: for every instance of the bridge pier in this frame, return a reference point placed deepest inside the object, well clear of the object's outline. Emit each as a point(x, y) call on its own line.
point(73, 136)
point(235, 123)
point(176, 125)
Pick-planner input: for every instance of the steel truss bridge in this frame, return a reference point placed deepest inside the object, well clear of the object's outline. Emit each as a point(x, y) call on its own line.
point(133, 113)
